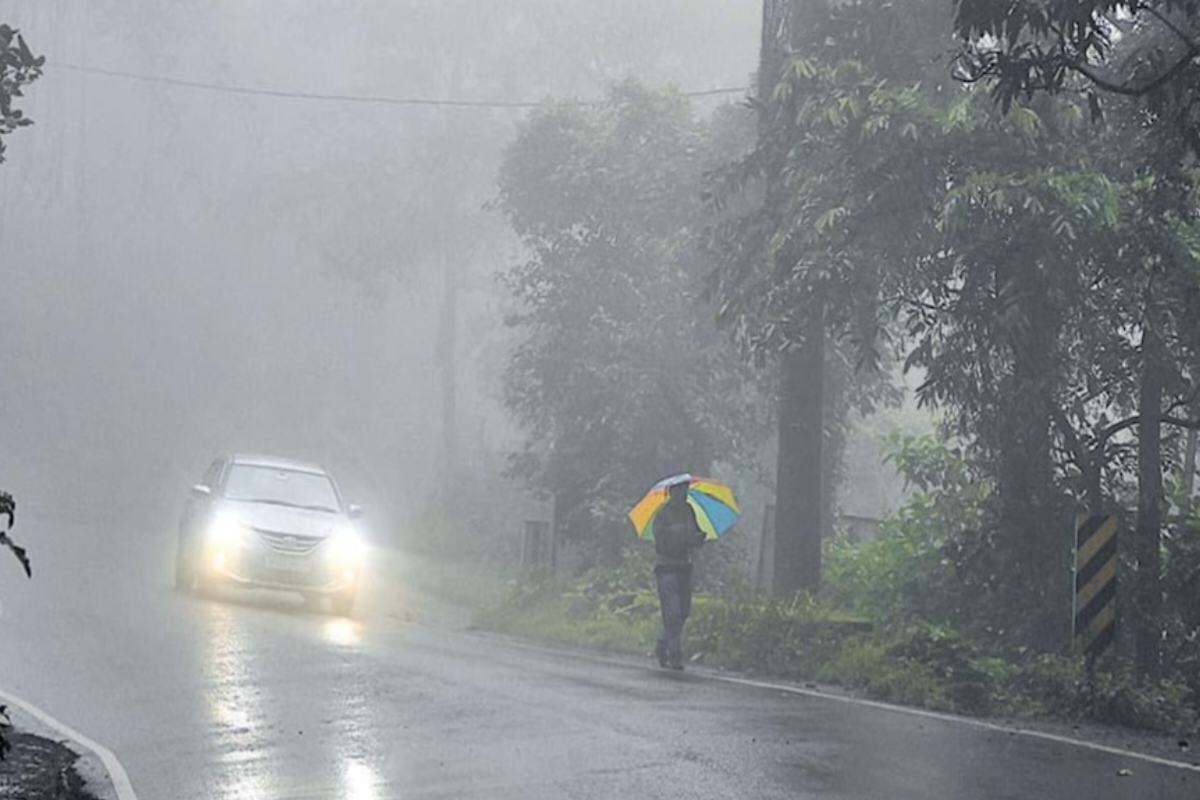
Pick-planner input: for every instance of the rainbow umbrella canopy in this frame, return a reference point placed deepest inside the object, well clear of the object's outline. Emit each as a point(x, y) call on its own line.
point(714, 503)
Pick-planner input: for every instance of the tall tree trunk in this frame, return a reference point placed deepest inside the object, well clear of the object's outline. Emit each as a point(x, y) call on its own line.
point(1148, 536)
point(1036, 587)
point(801, 418)
point(799, 470)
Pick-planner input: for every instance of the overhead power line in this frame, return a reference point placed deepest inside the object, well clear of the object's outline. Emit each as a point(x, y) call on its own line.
point(343, 98)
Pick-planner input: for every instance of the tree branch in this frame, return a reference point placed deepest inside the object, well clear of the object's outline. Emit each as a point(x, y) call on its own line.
point(1133, 422)
point(1136, 91)
point(1171, 26)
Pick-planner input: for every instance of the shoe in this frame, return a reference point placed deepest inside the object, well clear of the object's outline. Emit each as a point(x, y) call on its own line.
point(660, 652)
point(676, 665)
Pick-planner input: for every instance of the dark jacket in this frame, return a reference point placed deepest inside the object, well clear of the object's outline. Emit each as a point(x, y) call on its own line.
point(676, 534)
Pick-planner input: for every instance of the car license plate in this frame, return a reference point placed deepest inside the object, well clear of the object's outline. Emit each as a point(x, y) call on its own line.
point(285, 564)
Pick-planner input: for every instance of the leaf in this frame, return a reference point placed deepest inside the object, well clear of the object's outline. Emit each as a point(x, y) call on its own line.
point(1097, 111)
point(19, 552)
point(1026, 120)
point(27, 57)
point(828, 220)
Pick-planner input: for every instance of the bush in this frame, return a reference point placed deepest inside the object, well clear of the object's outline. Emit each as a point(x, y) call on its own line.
point(924, 567)
point(954, 664)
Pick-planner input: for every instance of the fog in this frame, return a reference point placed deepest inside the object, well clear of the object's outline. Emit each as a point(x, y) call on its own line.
point(188, 271)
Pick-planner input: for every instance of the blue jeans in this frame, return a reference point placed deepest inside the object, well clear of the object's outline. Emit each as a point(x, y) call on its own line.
point(675, 599)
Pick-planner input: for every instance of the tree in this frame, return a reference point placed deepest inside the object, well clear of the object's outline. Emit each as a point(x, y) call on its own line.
point(989, 311)
point(819, 213)
point(1136, 48)
point(415, 206)
point(1052, 318)
point(619, 376)
point(18, 68)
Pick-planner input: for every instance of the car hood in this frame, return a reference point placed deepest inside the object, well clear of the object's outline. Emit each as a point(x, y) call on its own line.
point(284, 519)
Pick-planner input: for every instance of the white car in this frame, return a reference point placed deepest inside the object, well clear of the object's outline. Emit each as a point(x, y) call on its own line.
point(262, 521)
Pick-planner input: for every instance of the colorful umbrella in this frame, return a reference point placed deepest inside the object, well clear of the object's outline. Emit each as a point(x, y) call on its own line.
point(714, 503)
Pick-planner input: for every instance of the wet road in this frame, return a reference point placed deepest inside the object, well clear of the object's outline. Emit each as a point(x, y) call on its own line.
point(203, 699)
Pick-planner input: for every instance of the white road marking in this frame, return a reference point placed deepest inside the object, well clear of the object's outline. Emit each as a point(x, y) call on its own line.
point(615, 660)
point(116, 772)
point(974, 723)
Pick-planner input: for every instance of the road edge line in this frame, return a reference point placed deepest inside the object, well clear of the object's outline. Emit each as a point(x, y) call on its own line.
point(116, 773)
point(616, 660)
point(953, 718)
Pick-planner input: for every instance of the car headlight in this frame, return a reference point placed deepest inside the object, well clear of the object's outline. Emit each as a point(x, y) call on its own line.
point(346, 546)
point(228, 530)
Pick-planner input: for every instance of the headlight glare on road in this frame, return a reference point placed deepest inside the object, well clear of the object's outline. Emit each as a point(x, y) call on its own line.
point(229, 531)
point(346, 546)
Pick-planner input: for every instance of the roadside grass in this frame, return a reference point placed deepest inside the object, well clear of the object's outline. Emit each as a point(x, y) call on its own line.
point(548, 611)
point(921, 666)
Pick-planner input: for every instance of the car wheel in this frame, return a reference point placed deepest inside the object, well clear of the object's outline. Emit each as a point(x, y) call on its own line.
point(342, 603)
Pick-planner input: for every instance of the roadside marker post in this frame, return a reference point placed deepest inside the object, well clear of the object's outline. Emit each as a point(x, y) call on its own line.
point(1095, 602)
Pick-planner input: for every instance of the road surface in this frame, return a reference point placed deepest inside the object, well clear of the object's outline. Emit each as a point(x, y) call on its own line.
point(256, 698)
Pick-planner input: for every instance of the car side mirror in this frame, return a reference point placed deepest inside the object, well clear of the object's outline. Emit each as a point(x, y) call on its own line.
point(354, 511)
point(201, 490)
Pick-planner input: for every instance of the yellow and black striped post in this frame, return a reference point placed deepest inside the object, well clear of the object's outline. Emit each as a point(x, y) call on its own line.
point(1095, 584)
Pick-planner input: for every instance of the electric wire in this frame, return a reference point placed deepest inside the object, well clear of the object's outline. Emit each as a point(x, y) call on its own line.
point(347, 98)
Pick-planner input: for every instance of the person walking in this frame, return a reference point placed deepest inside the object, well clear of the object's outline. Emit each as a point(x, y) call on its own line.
point(676, 535)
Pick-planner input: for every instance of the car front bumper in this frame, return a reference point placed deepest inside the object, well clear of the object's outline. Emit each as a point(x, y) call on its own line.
point(258, 567)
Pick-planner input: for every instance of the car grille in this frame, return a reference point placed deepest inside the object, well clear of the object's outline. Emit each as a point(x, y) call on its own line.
point(288, 543)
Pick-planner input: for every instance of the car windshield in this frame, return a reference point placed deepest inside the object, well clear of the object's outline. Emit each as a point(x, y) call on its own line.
point(290, 487)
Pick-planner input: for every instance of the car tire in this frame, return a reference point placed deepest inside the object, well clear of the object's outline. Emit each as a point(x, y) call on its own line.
point(342, 603)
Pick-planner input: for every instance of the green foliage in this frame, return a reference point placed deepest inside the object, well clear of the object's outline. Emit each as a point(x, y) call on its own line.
point(1181, 591)
point(855, 158)
point(18, 68)
point(619, 376)
point(930, 562)
point(1145, 50)
point(953, 664)
point(762, 636)
point(618, 614)
point(1063, 688)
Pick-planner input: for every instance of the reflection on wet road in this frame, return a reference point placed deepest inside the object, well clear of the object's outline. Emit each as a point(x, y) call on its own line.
point(256, 707)
point(256, 697)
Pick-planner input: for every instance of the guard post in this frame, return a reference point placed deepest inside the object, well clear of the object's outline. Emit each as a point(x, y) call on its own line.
point(1095, 605)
